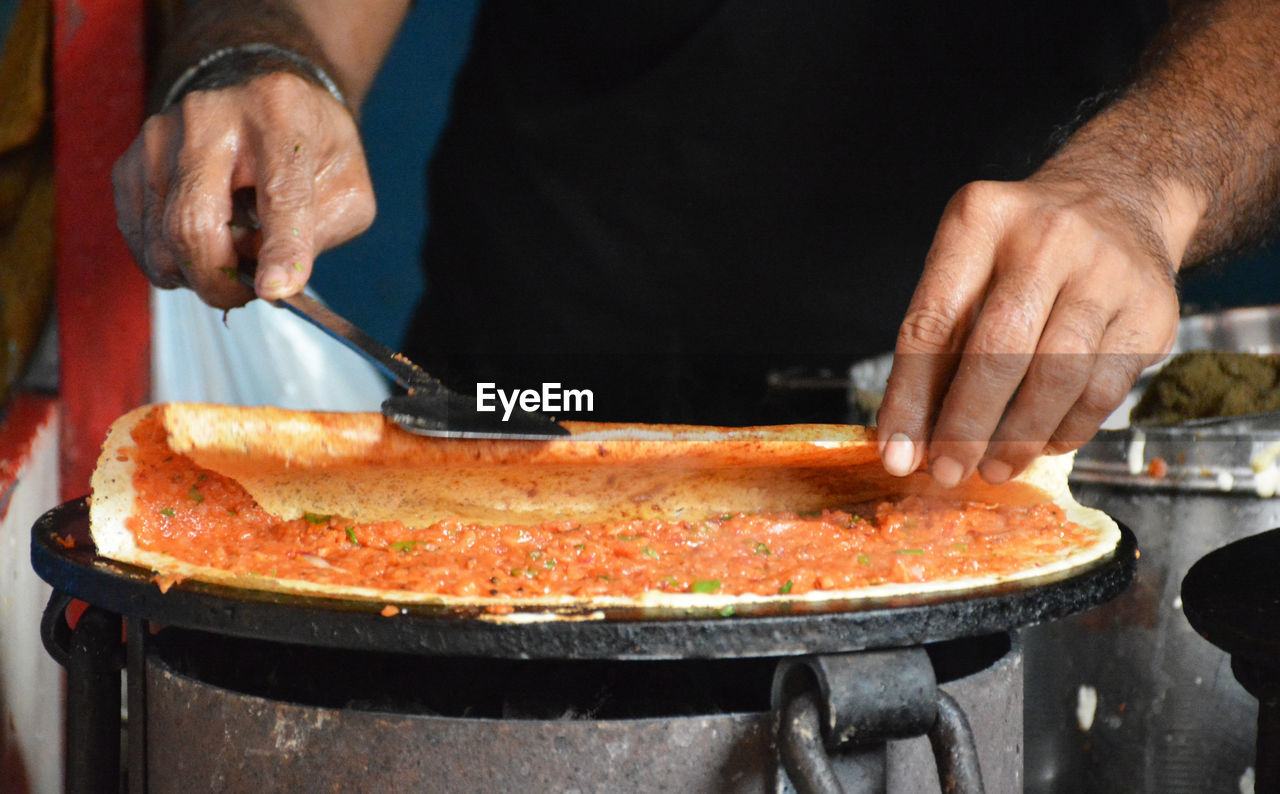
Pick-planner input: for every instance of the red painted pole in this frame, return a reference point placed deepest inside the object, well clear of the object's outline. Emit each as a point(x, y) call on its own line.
point(104, 320)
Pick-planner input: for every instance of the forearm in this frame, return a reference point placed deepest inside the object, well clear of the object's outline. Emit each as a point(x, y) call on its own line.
point(347, 40)
point(1192, 144)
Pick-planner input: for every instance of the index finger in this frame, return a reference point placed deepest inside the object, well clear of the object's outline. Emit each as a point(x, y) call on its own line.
point(935, 328)
point(286, 209)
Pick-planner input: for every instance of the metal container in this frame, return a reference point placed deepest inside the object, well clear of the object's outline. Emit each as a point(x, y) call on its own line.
point(1128, 697)
point(1169, 714)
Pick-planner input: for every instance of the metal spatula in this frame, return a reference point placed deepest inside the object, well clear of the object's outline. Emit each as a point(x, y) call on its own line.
point(428, 407)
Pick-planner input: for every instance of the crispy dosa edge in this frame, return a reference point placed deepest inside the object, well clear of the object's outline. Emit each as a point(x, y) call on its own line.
point(356, 465)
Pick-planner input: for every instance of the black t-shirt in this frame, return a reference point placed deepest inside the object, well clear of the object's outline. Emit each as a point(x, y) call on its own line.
point(665, 201)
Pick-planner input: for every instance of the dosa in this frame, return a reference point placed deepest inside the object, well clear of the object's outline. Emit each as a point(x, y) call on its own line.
point(348, 505)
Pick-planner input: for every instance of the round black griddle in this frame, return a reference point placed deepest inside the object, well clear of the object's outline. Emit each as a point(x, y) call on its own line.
point(63, 554)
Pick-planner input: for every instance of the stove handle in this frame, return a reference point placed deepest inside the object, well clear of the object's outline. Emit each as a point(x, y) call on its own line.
point(803, 755)
point(54, 631)
point(854, 703)
point(954, 749)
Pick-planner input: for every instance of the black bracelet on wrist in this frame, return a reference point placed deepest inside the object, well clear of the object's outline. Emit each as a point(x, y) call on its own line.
point(237, 65)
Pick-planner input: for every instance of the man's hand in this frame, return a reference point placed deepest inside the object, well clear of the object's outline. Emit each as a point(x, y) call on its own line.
point(1042, 300)
point(1040, 303)
point(285, 138)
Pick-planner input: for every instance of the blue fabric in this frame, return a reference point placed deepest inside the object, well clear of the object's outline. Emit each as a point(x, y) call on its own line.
point(7, 10)
point(375, 280)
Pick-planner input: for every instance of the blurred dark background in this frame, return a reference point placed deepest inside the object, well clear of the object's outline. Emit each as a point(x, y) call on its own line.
point(376, 281)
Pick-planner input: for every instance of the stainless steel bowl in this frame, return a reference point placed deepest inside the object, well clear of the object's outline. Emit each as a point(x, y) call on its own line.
point(1234, 455)
point(1251, 330)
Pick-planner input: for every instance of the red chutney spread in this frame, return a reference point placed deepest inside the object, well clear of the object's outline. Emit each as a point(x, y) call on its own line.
point(199, 517)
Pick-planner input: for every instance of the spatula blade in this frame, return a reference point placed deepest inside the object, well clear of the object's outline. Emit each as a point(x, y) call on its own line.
point(447, 414)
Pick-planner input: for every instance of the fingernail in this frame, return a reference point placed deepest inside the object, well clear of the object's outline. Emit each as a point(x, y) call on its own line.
point(273, 280)
point(995, 471)
point(947, 472)
point(899, 455)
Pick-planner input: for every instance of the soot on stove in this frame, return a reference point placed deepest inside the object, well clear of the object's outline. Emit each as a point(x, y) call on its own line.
point(469, 687)
point(502, 688)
